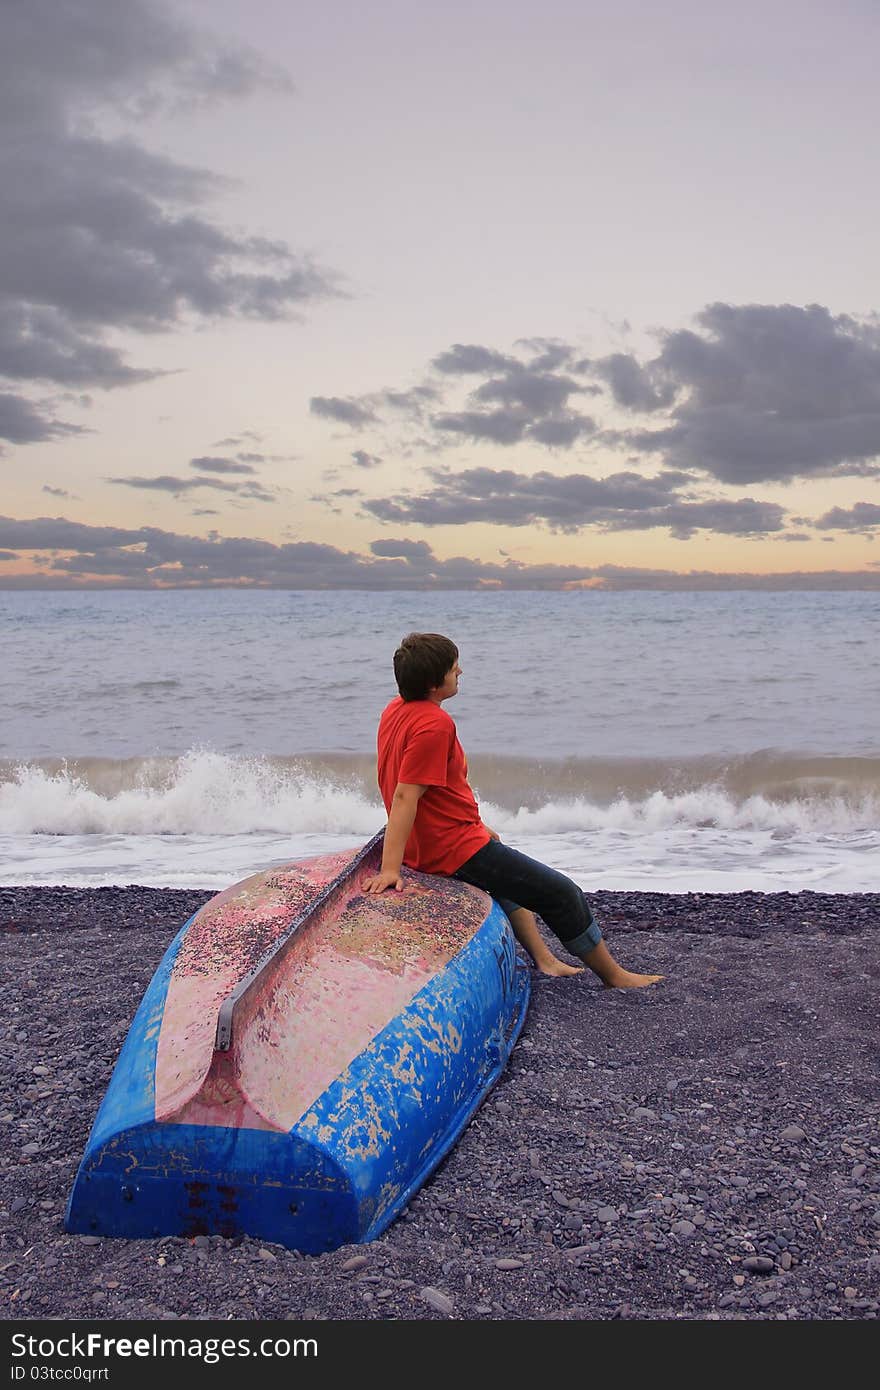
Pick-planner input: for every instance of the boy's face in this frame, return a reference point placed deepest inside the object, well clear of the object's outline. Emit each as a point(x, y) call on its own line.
point(449, 686)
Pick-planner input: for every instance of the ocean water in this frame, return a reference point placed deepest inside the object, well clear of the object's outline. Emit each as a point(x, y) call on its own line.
point(658, 741)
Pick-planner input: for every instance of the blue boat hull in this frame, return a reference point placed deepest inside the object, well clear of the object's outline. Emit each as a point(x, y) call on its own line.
point(351, 1163)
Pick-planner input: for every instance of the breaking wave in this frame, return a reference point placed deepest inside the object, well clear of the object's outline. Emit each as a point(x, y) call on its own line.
point(210, 793)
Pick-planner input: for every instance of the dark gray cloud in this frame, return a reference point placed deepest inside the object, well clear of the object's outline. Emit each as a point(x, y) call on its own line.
point(365, 460)
point(233, 441)
point(39, 344)
point(742, 517)
point(755, 393)
point(862, 516)
point(57, 491)
point(540, 393)
point(740, 448)
point(57, 533)
point(149, 557)
point(533, 404)
point(415, 552)
point(8, 554)
point(166, 482)
point(464, 359)
point(23, 422)
point(412, 402)
point(769, 393)
point(100, 233)
point(209, 464)
point(561, 431)
point(550, 353)
point(258, 492)
point(137, 55)
point(347, 412)
point(495, 426)
point(622, 501)
point(631, 385)
point(520, 399)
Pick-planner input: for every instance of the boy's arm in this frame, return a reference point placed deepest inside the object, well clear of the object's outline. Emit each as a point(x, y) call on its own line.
point(401, 818)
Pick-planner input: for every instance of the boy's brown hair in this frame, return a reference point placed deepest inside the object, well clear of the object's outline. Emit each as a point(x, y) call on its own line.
point(422, 662)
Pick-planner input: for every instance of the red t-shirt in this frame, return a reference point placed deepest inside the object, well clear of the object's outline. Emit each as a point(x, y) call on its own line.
point(417, 743)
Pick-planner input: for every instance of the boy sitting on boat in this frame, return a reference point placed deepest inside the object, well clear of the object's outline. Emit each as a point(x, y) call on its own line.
point(434, 822)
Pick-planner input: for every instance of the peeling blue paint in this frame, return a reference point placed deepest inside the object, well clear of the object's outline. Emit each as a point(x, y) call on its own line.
point(351, 1163)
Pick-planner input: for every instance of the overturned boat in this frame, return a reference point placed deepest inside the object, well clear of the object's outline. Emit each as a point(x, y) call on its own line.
point(303, 1058)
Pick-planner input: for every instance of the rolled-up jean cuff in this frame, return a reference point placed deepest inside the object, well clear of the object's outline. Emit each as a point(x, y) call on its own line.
point(587, 941)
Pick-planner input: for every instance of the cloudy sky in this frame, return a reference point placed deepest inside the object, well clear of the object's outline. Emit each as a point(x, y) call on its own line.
point(394, 293)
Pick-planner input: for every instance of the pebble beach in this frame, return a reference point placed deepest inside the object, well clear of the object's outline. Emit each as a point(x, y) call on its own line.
point(704, 1149)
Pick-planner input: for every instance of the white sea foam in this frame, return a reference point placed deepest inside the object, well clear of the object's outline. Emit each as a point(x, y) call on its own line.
point(208, 819)
point(707, 808)
point(677, 859)
point(211, 793)
point(202, 793)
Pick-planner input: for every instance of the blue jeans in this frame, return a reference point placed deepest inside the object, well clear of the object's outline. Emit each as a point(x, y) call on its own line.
point(514, 880)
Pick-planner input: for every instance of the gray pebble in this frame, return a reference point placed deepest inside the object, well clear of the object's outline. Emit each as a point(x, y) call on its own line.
point(792, 1134)
point(437, 1299)
point(355, 1262)
point(758, 1264)
point(606, 1214)
point(683, 1228)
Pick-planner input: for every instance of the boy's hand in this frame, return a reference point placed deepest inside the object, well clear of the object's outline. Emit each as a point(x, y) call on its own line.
point(385, 878)
point(492, 833)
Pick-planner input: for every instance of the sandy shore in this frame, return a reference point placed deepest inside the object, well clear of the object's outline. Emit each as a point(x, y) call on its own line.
point(708, 1148)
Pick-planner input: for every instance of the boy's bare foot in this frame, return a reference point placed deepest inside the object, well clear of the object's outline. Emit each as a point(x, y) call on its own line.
point(552, 966)
point(612, 975)
point(628, 979)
